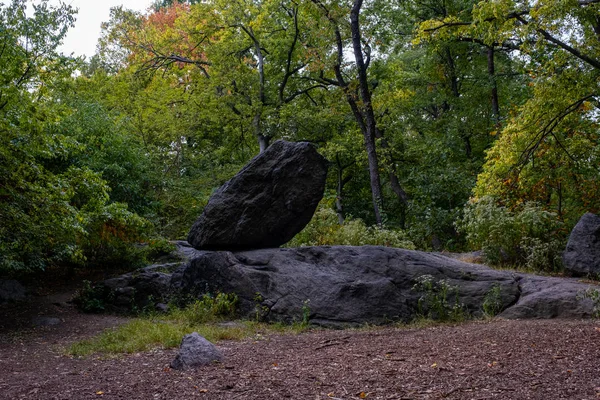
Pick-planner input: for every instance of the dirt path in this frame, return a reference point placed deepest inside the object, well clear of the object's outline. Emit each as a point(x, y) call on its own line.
point(554, 359)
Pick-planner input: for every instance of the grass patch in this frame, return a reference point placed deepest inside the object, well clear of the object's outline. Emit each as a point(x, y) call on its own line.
point(204, 316)
point(143, 334)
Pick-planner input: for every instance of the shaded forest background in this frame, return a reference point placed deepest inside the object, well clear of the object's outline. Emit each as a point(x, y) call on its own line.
point(448, 124)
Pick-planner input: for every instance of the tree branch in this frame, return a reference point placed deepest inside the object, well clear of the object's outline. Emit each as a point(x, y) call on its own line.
point(576, 52)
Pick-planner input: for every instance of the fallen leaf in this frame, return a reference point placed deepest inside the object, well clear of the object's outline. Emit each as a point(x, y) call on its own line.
point(362, 395)
point(203, 390)
point(434, 365)
point(100, 393)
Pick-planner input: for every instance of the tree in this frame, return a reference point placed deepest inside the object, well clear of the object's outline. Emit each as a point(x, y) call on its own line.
point(54, 208)
point(358, 93)
point(547, 150)
point(250, 57)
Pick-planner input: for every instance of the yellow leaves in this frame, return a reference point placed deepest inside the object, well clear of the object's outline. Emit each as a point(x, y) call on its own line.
point(100, 393)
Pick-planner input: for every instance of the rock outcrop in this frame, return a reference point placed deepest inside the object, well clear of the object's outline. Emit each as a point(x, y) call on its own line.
point(11, 291)
point(345, 285)
point(268, 202)
point(582, 255)
point(195, 351)
point(146, 287)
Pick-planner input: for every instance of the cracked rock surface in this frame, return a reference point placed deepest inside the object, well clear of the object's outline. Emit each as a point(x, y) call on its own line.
point(346, 285)
point(342, 285)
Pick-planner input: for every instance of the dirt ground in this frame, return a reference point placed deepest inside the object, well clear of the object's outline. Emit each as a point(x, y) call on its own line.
point(551, 359)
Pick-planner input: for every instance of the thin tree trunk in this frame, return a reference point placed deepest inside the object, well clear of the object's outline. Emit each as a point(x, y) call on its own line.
point(492, 74)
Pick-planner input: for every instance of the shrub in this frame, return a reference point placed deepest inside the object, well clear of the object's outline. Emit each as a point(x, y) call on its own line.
point(526, 236)
point(208, 308)
point(324, 230)
point(111, 238)
point(492, 302)
point(89, 298)
point(435, 303)
point(159, 247)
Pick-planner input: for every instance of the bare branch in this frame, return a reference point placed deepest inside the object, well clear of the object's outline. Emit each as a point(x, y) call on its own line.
point(576, 52)
point(304, 91)
point(548, 130)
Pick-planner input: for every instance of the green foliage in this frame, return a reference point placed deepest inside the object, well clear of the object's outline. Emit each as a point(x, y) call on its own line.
point(89, 298)
point(144, 334)
point(527, 236)
point(325, 230)
point(435, 302)
point(207, 309)
point(305, 313)
point(492, 302)
point(92, 164)
point(166, 331)
point(594, 296)
point(158, 247)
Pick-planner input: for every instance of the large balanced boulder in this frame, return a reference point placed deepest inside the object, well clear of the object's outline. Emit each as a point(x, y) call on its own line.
point(582, 255)
point(268, 202)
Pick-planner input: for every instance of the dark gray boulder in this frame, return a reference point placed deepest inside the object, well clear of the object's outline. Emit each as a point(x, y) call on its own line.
point(345, 285)
point(582, 255)
point(268, 202)
point(11, 291)
point(340, 285)
point(195, 351)
point(45, 321)
point(147, 287)
point(543, 297)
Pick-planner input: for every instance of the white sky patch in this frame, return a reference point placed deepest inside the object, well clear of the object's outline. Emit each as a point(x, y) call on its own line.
point(82, 39)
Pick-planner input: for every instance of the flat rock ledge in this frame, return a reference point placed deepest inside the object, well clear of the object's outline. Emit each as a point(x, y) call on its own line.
point(345, 285)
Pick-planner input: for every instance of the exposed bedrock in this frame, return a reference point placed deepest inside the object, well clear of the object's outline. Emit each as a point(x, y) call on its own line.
point(346, 285)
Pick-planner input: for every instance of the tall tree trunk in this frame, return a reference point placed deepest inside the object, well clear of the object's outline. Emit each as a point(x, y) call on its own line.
point(263, 140)
point(370, 126)
point(452, 75)
point(492, 75)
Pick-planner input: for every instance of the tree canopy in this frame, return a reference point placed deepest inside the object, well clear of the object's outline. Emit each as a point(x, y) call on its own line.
point(432, 115)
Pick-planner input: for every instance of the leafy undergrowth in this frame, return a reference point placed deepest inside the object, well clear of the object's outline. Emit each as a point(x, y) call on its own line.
point(143, 334)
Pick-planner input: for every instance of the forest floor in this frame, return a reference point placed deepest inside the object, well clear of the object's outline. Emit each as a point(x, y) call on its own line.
point(549, 359)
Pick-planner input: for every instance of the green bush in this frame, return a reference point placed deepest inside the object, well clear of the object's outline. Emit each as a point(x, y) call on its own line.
point(324, 230)
point(90, 299)
point(435, 302)
point(159, 247)
point(492, 302)
point(527, 236)
point(207, 309)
